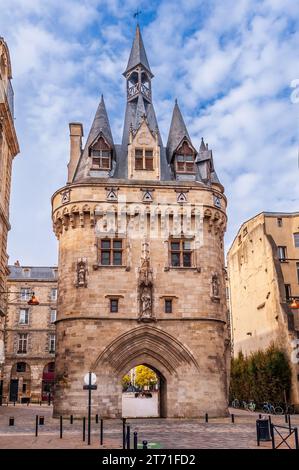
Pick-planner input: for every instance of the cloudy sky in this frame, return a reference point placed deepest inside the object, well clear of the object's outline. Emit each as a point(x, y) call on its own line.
point(231, 65)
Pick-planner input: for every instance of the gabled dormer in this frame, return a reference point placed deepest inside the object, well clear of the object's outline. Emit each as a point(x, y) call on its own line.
point(180, 151)
point(97, 160)
point(143, 153)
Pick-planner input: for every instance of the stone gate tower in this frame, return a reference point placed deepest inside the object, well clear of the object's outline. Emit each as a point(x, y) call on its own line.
point(141, 263)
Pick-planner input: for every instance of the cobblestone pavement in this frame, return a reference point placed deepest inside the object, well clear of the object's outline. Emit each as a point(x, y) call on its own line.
point(218, 433)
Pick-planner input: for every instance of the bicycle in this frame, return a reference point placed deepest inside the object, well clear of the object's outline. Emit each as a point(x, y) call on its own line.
point(250, 406)
point(268, 408)
point(235, 403)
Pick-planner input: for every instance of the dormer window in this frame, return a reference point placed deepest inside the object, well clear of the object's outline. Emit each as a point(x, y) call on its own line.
point(184, 159)
point(144, 159)
point(101, 154)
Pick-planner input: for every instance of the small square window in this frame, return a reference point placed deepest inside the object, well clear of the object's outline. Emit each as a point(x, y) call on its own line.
point(168, 306)
point(113, 305)
point(105, 244)
point(279, 222)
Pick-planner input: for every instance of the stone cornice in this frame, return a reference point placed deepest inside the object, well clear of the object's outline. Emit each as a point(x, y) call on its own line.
point(135, 319)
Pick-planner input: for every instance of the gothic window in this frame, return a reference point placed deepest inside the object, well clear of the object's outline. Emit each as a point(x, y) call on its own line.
point(111, 252)
point(132, 84)
point(22, 343)
point(24, 316)
point(145, 85)
point(101, 154)
point(144, 159)
point(180, 253)
point(184, 158)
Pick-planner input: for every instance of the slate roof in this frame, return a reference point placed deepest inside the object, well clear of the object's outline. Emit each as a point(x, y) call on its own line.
point(138, 54)
point(177, 131)
point(100, 124)
point(41, 273)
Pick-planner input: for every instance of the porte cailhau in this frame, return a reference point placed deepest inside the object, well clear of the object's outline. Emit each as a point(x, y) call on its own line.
point(141, 276)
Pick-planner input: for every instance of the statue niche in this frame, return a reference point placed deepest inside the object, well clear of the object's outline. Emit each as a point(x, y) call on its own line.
point(81, 273)
point(145, 290)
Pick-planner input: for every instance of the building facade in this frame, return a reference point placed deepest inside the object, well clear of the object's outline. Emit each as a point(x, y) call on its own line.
point(141, 263)
point(30, 334)
point(263, 269)
point(8, 150)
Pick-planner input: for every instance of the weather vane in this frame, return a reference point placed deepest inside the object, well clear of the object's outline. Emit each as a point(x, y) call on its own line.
point(137, 13)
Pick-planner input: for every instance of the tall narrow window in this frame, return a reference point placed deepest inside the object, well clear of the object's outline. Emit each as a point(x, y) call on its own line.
point(22, 343)
point(53, 294)
point(113, 305)
point(24, 316)
point(25, 293)
point(282, 253)
point(168, 306)
point(111, 252)
point(288, 291)
point(180, 253)
point(52, 344)
point(53, 314)
point(144, 159)
point(296, 240)
point(279, 222)
point(297, 267)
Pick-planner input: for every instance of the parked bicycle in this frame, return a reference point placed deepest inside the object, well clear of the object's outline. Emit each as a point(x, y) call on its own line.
point(268, 408)
point(235, 403)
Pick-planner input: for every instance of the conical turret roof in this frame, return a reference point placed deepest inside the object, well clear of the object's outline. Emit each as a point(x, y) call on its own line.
point(138, 54)
point(177, 131)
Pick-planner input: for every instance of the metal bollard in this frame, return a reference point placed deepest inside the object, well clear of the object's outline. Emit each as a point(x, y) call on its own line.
point(135, 440)
point(207, 418)
point(285, 418)
point(296, 438)
point(40, 403)
point(71, 419)
point(144, 444)
point(128, 438)
point(14, 403)
point(84, 425)
point(36, 425)
point(233, 418)
point(97, 419)
point(41, 420)
point(260, 416)
point(11, 421)
point(102, 432)
point(60, 427)
point(289, 422)
point(124, 432)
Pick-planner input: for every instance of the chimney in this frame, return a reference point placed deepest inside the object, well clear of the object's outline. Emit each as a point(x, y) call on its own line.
point(76, 134)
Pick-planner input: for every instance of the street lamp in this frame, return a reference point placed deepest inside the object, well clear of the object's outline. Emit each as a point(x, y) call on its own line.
point(90, 381)
point(32, 301)
point(295, 304)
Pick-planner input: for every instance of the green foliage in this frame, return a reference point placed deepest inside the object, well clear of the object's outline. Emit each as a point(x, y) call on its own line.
point(262, 376)
point(125, 381)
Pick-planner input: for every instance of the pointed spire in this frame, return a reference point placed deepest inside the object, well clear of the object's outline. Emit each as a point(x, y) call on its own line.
point(100, 124)
point(138, 54)
point(177, 131)
point(202, 147)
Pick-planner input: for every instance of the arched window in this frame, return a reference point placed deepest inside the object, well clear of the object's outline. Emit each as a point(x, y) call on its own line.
point(184, 159)
point(101, 154)
point(132, 84)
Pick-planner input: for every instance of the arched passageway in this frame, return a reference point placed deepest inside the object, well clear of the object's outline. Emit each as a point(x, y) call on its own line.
point(48, 381)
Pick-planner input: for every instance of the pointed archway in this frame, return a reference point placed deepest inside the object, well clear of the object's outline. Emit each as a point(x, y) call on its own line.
point(149, 346)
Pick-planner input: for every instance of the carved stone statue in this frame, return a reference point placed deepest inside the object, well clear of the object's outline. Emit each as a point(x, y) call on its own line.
point(145, 287)
point(215, 286)
point(81, 273)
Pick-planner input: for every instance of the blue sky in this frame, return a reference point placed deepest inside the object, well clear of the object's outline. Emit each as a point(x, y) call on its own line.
point(230, 64)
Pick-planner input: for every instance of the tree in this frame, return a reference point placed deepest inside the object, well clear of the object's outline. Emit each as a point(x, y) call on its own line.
point(145, 376)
